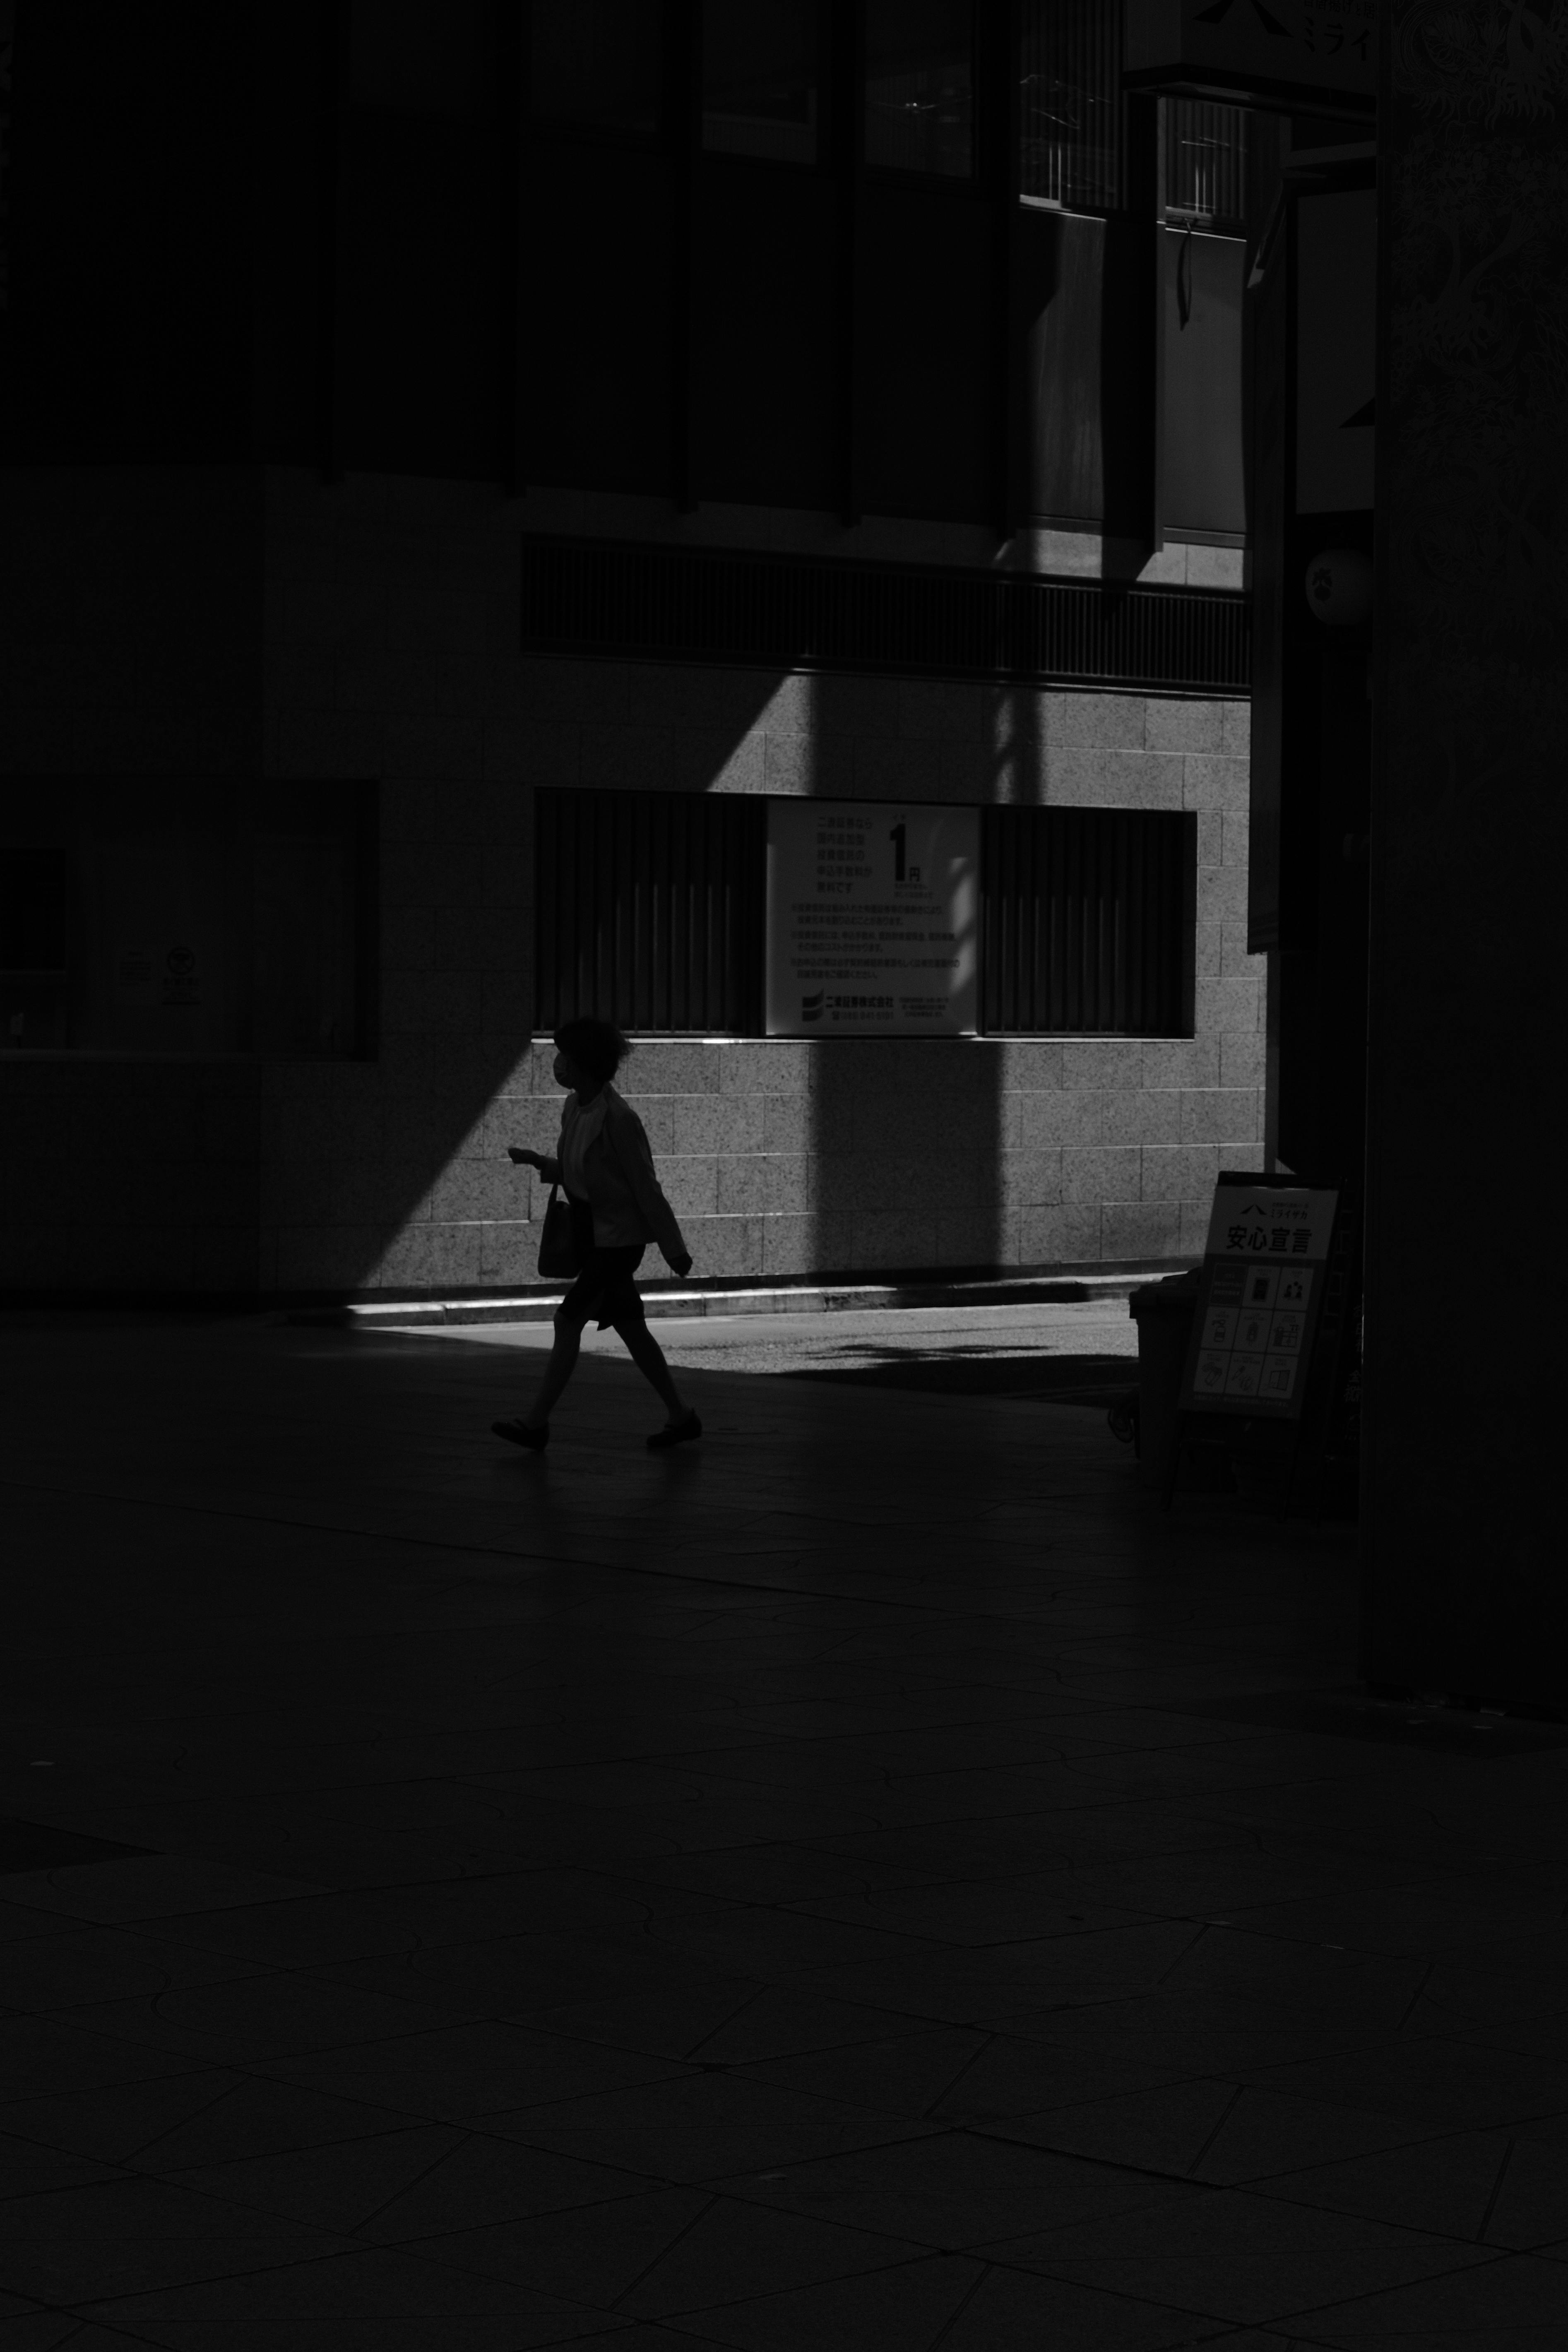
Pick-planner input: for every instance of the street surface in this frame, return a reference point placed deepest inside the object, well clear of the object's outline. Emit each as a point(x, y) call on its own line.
point(1060, 1349)
point(870, 1879)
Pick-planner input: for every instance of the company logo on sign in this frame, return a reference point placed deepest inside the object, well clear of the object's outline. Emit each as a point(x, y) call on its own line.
point(811, 1006)
point(181, 977)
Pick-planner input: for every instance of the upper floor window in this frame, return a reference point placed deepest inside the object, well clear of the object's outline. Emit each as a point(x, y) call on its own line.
point(760, 79)
point(595, 62)
point(1206, 163)
point(920, 86)
point(652, 912)
point(1069, 72)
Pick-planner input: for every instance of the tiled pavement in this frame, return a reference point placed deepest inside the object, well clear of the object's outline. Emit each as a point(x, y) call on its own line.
point(868, 1883)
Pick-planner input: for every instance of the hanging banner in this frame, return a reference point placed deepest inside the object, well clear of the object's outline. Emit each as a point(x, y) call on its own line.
point(872, 920)
point(1259, 1298)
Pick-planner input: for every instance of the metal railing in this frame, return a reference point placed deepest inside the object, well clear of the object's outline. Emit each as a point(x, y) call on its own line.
point(654, 603)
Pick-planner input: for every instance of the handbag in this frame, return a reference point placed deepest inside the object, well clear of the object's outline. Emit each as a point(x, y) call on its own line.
point(558, 1258)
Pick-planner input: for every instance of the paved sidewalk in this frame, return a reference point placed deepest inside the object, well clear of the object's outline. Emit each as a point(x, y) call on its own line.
point(869, 1882)
point(1034, 1350)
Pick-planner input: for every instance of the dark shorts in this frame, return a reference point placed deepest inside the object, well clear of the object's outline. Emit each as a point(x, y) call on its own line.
point(604, 1291)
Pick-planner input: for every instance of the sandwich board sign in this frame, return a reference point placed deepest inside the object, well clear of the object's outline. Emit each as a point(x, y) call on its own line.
point(1261, 1299)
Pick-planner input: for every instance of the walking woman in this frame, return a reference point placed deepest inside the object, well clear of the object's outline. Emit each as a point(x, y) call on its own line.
point(605, 1166)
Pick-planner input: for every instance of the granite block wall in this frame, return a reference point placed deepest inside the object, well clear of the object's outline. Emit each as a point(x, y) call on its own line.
point(787, 1158)
point(386, 634)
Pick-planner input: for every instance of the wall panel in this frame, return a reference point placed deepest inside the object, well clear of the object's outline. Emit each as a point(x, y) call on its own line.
point(596, 311)
point(417, 353)
point(762, 336)
point(926, 354)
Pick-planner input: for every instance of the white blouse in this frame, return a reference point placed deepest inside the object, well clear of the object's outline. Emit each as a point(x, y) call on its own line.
point(576, 1135)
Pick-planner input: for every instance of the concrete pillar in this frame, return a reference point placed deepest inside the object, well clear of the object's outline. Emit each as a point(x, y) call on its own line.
point(1466, 1548)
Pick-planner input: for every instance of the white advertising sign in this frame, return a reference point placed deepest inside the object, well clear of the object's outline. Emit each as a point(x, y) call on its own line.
point(872, 920)
point(1278, 1221)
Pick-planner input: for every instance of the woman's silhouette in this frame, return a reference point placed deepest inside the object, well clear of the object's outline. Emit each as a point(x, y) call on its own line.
point(605, 1167)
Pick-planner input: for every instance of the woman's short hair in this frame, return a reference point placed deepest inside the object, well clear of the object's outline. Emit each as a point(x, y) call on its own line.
point(597, 1046)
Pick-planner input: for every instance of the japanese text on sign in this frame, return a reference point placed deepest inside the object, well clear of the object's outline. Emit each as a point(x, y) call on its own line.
point(1270, 1222)
point(872, 910)
point(1261, 1290)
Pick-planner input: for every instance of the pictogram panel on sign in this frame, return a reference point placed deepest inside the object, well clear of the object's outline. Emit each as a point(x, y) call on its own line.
point(1260, 1297)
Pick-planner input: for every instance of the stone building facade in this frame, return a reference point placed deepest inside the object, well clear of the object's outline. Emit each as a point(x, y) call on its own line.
point(282, 420)
point(251, 629)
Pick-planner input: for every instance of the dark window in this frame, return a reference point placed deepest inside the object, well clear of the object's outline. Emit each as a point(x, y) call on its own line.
point(422, 56)
point(1087, 921)
point(920, 86)
point(1206, 163)
point(764, 347)
point(416, 346)
point(760, 79)
point(169, 918)
point(595, 62)
point(1069, 113)
point(650, 911)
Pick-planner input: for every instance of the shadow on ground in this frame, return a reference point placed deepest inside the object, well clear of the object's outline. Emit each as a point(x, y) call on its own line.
point(981, 1372)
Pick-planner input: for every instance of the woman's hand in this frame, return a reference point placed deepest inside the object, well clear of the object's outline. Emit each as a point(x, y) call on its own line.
point(680, 1267)
point(520, 1158)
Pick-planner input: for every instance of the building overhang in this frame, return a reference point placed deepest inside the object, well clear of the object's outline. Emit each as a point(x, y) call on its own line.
point(1297, 56)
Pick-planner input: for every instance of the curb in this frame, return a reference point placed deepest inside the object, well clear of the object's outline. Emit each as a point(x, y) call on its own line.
point(670, 1303)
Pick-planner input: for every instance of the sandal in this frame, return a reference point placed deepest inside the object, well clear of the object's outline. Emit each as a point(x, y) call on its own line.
point(518, 1433)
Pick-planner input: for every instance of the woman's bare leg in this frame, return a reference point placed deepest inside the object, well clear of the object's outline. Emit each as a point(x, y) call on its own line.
point(562, 1363)
point(652, 1362)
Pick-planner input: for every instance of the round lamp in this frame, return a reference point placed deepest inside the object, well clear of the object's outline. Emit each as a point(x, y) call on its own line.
point(1338, 587)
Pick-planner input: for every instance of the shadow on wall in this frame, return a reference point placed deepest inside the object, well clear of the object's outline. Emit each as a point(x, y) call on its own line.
point(1083, 431)
point(394, 1175)
point(910, 1164)
point(131, 621)
point(383, 1177)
